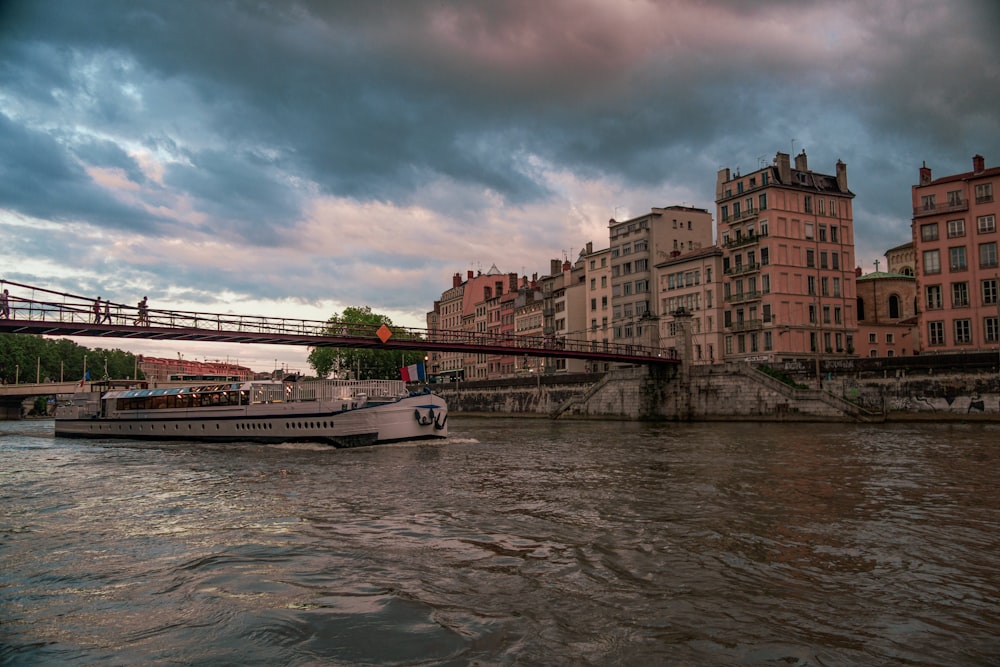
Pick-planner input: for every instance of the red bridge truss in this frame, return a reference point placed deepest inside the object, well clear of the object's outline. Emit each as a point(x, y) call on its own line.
point(36, 310)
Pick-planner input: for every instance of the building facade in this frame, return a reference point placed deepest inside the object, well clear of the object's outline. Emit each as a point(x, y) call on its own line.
point(690, 284)
point(636, 246)
point(787, 237)
point(955, 240)
point(887, 317)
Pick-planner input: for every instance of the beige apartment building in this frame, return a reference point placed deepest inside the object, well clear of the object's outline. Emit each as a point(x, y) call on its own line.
point(955, 239)
point(787, 236)
point(691, 283)
point(636, 246)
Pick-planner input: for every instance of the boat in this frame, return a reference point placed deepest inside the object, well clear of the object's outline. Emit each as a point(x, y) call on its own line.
point(342, 413)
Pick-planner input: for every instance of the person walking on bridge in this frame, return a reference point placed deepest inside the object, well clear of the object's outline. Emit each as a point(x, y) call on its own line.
point(97, 311)
point(107, 312)
point(5, 305)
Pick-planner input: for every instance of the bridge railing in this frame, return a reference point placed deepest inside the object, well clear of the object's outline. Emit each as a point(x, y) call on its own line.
point(37, 304)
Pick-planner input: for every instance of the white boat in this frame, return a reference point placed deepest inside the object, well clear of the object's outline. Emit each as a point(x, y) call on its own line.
point(343, 413)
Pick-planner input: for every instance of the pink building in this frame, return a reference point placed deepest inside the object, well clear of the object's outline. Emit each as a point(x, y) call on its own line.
point(787, 235)
point(691, 283)
point(887, 320)
point(955, 236)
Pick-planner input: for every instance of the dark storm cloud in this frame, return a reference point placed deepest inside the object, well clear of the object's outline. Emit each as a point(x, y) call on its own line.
point(483, 126)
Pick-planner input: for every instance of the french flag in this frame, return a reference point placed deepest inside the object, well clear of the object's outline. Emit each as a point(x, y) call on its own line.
point(412, 373)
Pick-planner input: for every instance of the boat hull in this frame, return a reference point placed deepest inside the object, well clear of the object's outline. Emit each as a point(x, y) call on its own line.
point(415, 417)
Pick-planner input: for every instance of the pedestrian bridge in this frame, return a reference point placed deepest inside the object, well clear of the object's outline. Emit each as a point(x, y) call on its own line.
point(36, 310)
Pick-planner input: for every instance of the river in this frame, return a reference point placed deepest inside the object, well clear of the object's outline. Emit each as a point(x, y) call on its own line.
point(513, 542)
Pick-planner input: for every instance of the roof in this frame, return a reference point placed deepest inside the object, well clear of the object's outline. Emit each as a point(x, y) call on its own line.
point(883, 275)
point(707, 251)
point(964, 176)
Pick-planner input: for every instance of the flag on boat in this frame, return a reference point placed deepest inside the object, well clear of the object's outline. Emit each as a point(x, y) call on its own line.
point(412, 373)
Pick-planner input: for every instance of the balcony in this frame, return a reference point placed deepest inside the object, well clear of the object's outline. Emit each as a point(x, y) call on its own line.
point(742, 215)
point(743, 240)
point(740, 297)
point(742, 268)
point(745, 325)
point(937, 209)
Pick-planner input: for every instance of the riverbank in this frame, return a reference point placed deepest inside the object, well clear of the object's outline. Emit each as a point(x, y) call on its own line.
point(732, 392)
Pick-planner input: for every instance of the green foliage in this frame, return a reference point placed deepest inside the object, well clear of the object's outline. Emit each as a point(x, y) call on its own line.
point(30, 358)
point(361, 363)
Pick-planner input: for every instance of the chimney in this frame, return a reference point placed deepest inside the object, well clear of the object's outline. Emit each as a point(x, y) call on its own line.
point(512, 282)
point(590, 247)
point(456, 280)
point(842, 176)
point(566, 266)
point(720, 180)
point(781, 161)
point(555, 266)
point(925, 174)
point(857, 272)
point(470, 274)
point(800, 161)
point(978, 164)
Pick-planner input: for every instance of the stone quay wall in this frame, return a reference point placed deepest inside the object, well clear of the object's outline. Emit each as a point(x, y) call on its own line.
point(731, 392)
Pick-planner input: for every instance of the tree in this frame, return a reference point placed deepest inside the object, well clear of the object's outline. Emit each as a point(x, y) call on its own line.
point(27, 357)
point(360, 363)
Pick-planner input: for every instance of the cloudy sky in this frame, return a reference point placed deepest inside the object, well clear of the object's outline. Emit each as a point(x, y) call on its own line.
point(296, 157)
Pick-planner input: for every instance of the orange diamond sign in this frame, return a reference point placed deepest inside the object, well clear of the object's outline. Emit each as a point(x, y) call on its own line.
point(384, 333)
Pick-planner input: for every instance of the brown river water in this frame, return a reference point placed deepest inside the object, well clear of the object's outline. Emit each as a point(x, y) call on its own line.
point(513, 542)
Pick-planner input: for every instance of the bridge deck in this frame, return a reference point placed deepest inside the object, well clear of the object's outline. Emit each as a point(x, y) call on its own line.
point(35, 310)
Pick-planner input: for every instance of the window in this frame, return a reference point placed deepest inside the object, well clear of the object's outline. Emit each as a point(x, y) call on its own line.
point(933, 294)
point(765, 256)
point(958, 261)
point(890, 338)
point(824, 286)
point(809, 230)
point(963, 331)
point(808, 204)
point(955, 198)
point(823, 264)
point(932, 261)
point(872, 338)
point(959, 295)
point(990, 329)
point(593, 304)
point(989, 291)
point(987, 254)
point(986, 224)
point(935, 333)
point(822, 232)
point(762, 201)
point(984, 193)
point(894, 307)
point(956, 228)
point(836, 286)
point(811, 284)
point(833, 230)
point(929, 232)
point(835, 260)
point(927, 202)
point(810, 257)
